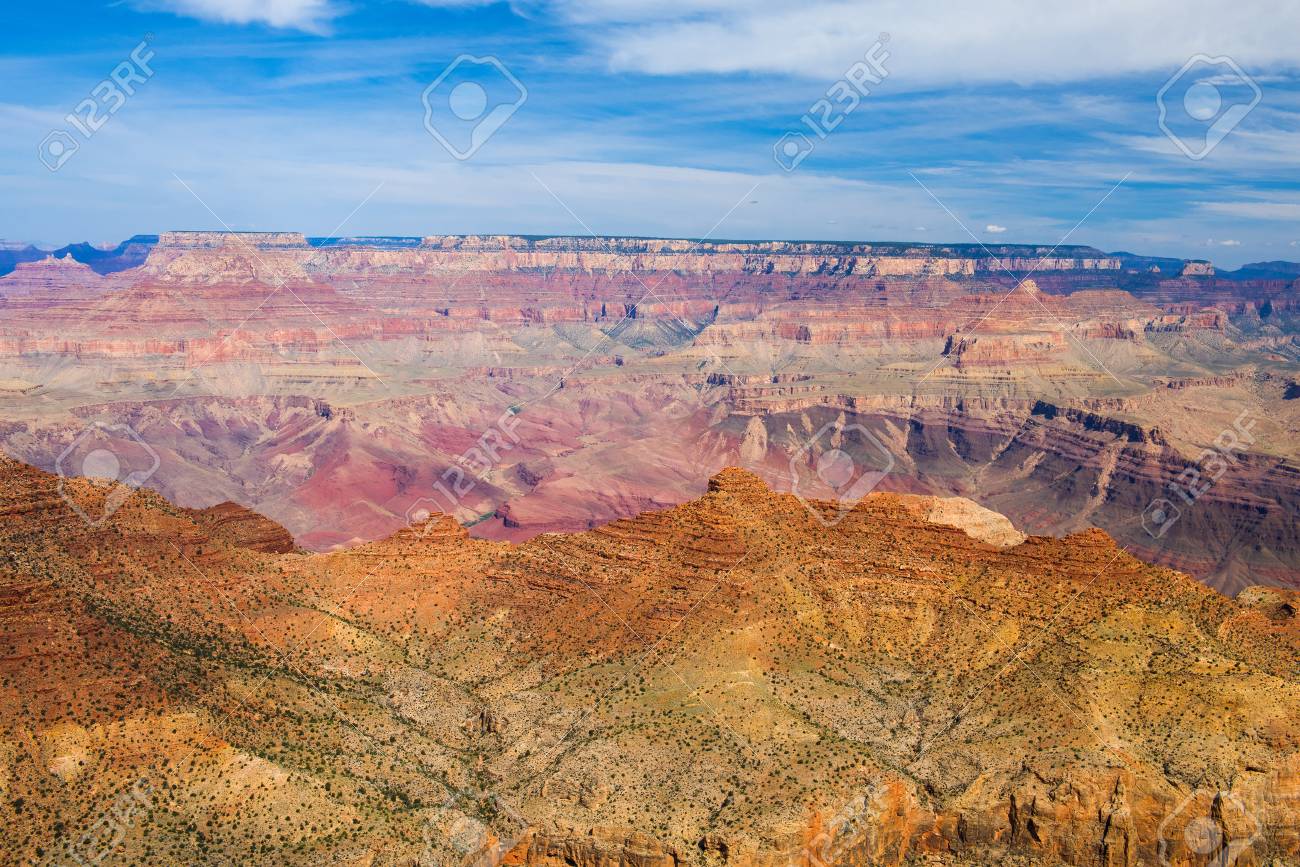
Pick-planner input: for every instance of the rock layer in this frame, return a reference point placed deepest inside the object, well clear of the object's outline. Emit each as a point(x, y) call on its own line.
point(334, 384)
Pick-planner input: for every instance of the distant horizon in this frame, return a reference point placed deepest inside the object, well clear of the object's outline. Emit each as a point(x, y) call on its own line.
point(1234, 264)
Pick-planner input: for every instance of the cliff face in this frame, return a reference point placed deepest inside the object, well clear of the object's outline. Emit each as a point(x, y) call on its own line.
point(206, 257)
point(229, 240)
point(876, 689)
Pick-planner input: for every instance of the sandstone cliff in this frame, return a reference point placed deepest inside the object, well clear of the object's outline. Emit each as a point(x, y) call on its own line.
point(207, 257)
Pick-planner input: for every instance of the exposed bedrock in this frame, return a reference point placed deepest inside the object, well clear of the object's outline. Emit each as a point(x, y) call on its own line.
point(1055, 472)
point(338, 474)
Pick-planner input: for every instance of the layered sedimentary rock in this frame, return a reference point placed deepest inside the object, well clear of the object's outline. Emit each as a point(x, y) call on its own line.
point(49, 275)
point(748, 678)
point(233, 525)
point(193, 256)
point(336, 384)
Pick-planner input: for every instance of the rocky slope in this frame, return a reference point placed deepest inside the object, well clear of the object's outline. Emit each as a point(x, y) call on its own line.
point(737, 680)
point(233, 525)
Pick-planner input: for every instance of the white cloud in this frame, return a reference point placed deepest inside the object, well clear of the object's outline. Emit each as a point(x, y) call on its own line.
point(1230, 243)
point(1255, 210)
point(995, 229)
point(1006, 40)
point(936, 40)
point(1246, 146)
point(313, 16)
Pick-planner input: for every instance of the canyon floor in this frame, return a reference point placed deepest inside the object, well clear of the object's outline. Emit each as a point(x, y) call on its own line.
point(749, 678)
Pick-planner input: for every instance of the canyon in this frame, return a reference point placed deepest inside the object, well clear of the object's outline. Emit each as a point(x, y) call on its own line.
point(530, 385)
point(545, 551)
point(907, 681)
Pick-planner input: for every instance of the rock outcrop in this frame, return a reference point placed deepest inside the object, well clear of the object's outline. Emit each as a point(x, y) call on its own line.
point(232, 524)
point(966, 515)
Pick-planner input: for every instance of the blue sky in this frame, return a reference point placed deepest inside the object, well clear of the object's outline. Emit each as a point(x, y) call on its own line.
point(660, 119)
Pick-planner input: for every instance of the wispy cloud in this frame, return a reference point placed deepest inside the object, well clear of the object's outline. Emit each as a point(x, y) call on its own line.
point(1255, 210)
point(312, 16)
point(1005, 40)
